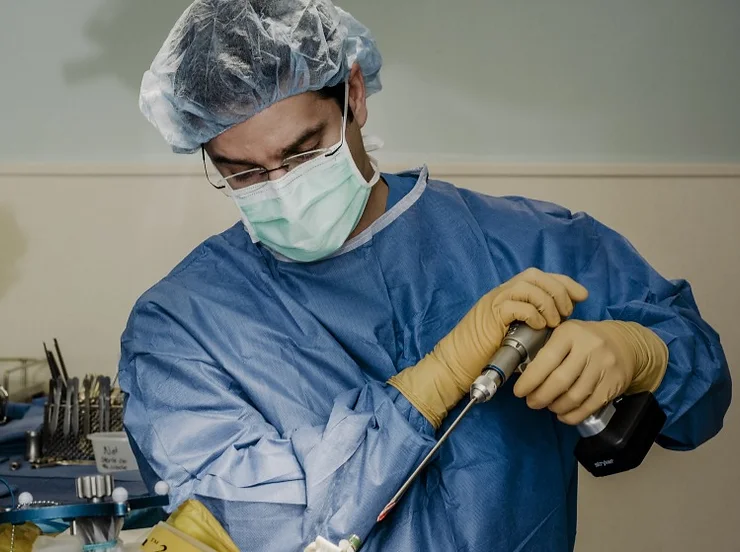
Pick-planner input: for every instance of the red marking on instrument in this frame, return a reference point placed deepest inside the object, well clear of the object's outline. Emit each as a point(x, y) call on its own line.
point(386, 511)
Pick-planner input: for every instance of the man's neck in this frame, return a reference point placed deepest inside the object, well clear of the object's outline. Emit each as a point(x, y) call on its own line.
point(375, 207)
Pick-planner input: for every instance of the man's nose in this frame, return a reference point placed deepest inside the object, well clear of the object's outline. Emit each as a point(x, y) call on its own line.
point(278, 172)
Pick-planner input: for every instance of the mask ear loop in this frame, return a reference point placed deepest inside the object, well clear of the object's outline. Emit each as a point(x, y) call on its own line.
point(346, 110)
point(343, 139)
point(373, 161)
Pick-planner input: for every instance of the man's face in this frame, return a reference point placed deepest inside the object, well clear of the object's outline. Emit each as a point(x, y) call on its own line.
point(291, 127)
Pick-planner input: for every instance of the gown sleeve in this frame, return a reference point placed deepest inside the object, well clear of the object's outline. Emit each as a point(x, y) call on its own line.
point(696, 391)
point(191, 427)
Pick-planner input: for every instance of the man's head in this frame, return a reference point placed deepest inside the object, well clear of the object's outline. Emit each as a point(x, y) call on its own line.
point(296, 125)
point(227, 62)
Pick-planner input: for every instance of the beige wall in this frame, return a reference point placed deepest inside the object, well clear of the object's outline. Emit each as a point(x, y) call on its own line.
point(77, 246)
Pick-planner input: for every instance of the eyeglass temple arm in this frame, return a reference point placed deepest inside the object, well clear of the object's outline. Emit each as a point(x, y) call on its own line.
point(205, 170)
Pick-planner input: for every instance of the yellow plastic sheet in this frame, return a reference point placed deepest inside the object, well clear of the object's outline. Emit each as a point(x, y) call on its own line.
point(25, 536)
point(195, 520)
point(165, 537)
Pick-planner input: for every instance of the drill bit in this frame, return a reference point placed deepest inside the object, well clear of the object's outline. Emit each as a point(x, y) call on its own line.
point(426, 461)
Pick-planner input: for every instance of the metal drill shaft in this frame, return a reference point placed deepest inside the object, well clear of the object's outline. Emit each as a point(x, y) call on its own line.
point(426, 460)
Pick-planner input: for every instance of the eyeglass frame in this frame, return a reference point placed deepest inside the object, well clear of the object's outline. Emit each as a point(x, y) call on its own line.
point(327, 152)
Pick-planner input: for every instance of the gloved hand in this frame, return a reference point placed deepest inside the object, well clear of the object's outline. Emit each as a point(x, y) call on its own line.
point(323, 545)
point(443, 377)
point(586, 365)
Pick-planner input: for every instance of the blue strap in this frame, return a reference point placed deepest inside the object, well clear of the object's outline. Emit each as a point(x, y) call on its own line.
point(10, 492)
point(100, 546)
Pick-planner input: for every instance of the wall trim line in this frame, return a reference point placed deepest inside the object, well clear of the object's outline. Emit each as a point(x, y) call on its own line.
point(437, 170)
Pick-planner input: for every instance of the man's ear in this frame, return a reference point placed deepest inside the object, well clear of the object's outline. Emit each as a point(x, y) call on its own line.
point(357, 95)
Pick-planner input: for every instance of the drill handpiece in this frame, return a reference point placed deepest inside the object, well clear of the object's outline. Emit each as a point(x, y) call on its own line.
point(615, 439)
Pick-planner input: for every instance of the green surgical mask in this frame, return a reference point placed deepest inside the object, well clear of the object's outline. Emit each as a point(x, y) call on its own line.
point(308, 213)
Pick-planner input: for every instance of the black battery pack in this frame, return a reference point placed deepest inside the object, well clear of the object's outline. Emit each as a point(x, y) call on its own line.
point(627, 438)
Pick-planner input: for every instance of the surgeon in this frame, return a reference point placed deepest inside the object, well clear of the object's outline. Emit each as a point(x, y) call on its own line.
point(292, 371)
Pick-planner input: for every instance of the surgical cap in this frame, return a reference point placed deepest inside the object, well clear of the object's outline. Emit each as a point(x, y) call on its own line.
point(226, 60)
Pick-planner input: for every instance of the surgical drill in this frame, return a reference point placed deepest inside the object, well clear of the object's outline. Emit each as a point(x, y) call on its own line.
point(615, 439)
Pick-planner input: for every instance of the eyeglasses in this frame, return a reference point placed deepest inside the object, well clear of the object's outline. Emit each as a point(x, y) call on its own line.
point(259, 175)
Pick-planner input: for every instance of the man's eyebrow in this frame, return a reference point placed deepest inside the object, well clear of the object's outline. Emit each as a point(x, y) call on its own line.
point(223, 160)
point(303, 138)
point(293, 148)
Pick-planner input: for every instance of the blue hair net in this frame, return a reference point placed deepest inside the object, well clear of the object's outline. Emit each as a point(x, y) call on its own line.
point(226, 60)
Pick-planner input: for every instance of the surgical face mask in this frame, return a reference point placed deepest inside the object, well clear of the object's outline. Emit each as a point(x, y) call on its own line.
point(308, 213)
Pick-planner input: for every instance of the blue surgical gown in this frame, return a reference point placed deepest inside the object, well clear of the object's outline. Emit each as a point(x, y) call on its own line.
point(257, 385)
point(398, 186)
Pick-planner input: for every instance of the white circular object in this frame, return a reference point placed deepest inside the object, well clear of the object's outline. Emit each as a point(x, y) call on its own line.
point(120, 495)
point(161, 488)
point(24, 499)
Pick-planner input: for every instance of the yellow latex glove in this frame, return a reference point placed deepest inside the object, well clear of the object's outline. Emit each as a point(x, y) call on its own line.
point(443, 377)
point(194, 519)
point(25, 536)
point(585, 365)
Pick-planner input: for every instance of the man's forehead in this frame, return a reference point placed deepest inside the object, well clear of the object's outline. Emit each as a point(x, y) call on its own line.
point(275, 127)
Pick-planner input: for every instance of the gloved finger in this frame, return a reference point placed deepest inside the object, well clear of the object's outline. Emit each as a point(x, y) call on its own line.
point(576, 291)
point(581, 390)
point(545, 363)
point(518, 311)
point(558, 382)
point(602, 395)
point(553, 286)
point(530, 293)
